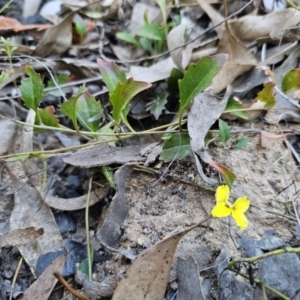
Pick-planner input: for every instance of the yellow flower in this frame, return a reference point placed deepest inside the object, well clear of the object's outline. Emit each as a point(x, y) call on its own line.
point(223, 208)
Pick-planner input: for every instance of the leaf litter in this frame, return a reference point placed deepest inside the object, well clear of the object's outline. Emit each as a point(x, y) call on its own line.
point(146, 209)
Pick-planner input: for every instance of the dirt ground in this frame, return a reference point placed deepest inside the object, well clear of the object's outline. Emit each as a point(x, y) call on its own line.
point(262, 175)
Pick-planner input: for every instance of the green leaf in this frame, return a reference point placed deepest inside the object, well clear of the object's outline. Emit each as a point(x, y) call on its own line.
point(177, 147)
point(266, 95)
point(123, 93)
point(152, 32)
point(106, 129)
point(111, 74)
point(84, 265)
point(227, 174)
point(60, 80)
point(233, 105)
point(47, 116)
point(69, 108)
point(88, 112)
point(124, 36)
point(291, 81)
point(146, 45)
point(109, 175)
point(32, 89)
point(157, 105)
point(80, 26)
point(242, 142)
point(172, 81)
point(224, 132)
point(198, 77)
point(162, 6)
point(3, 76)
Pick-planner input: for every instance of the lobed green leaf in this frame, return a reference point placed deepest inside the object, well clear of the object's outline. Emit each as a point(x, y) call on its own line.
point(32, 89)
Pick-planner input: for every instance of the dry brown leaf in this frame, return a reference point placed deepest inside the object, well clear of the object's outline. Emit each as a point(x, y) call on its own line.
point(156, 72)
point(20, 236)
point(30, 8)
point(240, 60)
point(30, 208)
point(43, 286)
point(97, 290)
point(175, 39)
point(273, 27)
point(13, 73)
point(79, 68)
point(16, 26)
point(57, 39)
point(78, 202)
point(189, 281)
point(268, 139)
point(95, 9)
point(110, 231)
point(103, 155)
point(8, 130)
point(148, 276)
point(214, 15)
point(205, 110)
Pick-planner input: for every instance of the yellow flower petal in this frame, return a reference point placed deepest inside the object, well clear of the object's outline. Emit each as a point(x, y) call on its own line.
point(222, 193)
point(240, 219)
point(241, 204)
point(221, 210)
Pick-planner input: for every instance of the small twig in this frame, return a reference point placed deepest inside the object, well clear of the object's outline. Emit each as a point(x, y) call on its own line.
point(70, 289)
point(87, 229)
point(173, 177)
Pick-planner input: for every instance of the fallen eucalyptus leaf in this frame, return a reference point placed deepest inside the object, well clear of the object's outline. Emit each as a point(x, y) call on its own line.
point(57, 39)
point(189, 281)
point(20, 236)
point(78, 202)
point(110, 231)
point(148, 276)
point(103, 155)
point(205, 110)
point(176, 39)
point(43, 286)
point(30, 208)
point(268, 28)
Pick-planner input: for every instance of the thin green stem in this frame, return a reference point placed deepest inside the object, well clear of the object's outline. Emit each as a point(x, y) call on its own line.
point(179, 120)
point(127, 134)
point(6, 6)
point(290, 3)
point(265, 255)
point(259, 282)
point(281, 215)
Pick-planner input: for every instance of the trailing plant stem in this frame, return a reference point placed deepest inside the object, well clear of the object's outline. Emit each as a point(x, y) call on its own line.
point(253, 259)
